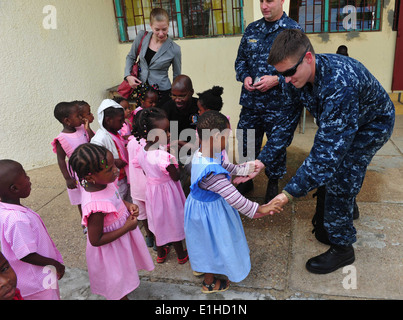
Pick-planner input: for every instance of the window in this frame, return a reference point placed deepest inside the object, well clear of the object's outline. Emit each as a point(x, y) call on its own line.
point(189, 18)
point(317, 16)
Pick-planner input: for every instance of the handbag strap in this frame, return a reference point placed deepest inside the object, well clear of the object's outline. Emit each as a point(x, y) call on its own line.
point(141, 42)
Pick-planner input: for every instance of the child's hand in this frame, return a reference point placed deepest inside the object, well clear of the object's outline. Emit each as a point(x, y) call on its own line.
point(268, 209)
point(86, 124)
point(255, 169)
point(131, 223)
point(133, 208)
point(71, 183)
point(59, 269)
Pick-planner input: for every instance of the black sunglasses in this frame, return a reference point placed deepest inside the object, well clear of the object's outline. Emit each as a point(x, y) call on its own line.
point(290, 72)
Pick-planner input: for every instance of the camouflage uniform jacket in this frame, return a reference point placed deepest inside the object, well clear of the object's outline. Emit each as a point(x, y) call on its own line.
point(345, 99)
point(252, 58)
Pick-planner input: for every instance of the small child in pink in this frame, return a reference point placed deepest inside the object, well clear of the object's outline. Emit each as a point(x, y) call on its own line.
point(25, 242)
point(164, 195)
point(126, 130)
point(138, 182)
point(148, 99)
point(72, 135)
point(115, 246)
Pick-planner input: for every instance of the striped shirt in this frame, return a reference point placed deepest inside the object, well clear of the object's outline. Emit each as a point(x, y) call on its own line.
point(220, 184)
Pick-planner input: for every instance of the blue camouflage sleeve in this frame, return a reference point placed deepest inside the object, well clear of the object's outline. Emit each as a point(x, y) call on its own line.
point(338, 124)
point(241, 61)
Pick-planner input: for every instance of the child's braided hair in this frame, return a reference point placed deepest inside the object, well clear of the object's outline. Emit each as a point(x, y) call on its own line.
point(88, 158)
point(144, 121)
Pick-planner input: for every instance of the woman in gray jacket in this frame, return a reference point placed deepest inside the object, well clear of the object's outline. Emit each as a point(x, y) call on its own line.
point(158, 52)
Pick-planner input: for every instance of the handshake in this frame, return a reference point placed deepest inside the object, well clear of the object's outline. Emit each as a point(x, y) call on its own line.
point(251, 170)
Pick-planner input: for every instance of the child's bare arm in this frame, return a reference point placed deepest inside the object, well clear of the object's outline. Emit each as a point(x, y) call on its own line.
point(174, 172)
point(38, 260)
point(61, 161)
point(96, 235)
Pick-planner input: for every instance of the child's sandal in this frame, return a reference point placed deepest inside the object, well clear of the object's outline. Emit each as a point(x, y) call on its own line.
point(224, 285)
point(185, 259)
point(162, 259)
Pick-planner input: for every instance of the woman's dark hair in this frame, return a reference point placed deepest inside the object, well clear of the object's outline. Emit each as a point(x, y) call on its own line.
point(211, 120)
point(144, 121)
point(211, 99)
point(88, 158)
point(63, 110)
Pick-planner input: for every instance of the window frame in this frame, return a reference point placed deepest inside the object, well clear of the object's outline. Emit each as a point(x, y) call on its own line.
point(122, 25)
point(326, 18)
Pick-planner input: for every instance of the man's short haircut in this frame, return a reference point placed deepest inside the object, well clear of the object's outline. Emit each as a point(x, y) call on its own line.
point(289, 43)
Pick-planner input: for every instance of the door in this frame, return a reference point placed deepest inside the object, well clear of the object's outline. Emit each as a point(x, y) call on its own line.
point(397, 82)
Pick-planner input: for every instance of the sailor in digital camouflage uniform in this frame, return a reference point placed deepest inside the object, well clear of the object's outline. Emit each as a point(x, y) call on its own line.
point(267, 107)
point(355, 118)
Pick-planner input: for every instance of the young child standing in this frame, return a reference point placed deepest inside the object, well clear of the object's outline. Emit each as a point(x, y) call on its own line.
point(72, 135)
point(210, 100)
point(147, 99)
point(138, 182)
point(85, 112)
point(214, 233)
point(164, 195)
point(111, 118)
point(126, 129)
point(115, 246)
point(25, 242)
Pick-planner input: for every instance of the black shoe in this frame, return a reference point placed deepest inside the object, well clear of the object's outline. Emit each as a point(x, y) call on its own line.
point(333, 259)
point(245, 187)
point(272, 190)
point(356, 213)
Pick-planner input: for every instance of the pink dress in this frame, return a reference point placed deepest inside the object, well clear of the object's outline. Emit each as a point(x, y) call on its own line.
point(112, 268)
point(22, 233)
point(69, 142)
point(165, 199)
point(137, 178)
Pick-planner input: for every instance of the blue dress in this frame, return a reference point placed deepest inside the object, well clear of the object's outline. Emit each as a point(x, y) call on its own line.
point(215, 238)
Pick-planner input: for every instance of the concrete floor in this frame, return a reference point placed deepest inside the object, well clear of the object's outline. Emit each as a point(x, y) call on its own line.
point(279, 245)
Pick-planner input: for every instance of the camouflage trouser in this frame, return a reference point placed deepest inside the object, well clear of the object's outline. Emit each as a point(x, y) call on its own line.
point(345, 184)
point(279, 126)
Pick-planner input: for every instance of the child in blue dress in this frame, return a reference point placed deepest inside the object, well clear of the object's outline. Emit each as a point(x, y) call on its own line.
point(215, 238)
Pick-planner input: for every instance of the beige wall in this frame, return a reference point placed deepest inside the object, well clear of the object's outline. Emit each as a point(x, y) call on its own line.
point(83, 57)
point(40, 68)
point(376, 50)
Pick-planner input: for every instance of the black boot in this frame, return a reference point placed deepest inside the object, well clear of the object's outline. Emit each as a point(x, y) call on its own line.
point(318, 219)
point(245, 187)
point(356, 213)
point(333, 259)
point(272, 190)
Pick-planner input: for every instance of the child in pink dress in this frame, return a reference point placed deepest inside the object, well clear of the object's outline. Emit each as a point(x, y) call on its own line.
point(137, 181)
point(164, 195)
point(25, 242)
point(115, 246)
point(148, 99)
point(126, 130)
point(72, 135)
